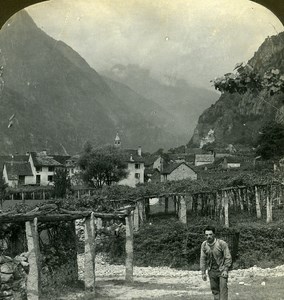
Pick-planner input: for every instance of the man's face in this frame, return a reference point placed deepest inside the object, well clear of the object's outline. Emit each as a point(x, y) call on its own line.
point(210, 236)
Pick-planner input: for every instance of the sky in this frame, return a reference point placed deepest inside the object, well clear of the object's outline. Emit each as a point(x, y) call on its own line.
point(194, 40)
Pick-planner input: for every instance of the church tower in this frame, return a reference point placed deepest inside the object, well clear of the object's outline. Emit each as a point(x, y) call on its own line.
point(117, 142)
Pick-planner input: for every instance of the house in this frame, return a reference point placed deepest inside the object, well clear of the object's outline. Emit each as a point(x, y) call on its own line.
point(204, 159)
point(17, 173)
point(135, 167)
point(43, 167)
point(178, 171)
point(231, 162)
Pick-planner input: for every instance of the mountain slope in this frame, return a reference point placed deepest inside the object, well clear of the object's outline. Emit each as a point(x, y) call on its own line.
point(183, 102)
point(238, 119)
point(59, 101)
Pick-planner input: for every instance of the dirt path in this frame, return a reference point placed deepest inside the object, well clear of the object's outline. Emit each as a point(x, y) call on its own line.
point(166, 283)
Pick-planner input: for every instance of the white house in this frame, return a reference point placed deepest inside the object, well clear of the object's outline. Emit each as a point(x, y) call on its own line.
point(135, 168)
point(43, 167)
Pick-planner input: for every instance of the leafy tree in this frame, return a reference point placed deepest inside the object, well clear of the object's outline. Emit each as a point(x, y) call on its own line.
point(271, 141)
point(61, 182)
point(247, 80)
point(102, 166)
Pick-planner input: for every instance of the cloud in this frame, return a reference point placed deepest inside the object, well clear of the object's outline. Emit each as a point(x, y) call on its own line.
point(190, 39)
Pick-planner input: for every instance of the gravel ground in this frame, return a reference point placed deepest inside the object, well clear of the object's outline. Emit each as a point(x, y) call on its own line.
point(163, 282)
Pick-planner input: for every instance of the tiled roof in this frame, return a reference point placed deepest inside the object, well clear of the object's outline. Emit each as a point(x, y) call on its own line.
point(41, 160)
point(150, 160)
point(61, 158)
point(16, 169)
point(128, 153)
point(7, 158)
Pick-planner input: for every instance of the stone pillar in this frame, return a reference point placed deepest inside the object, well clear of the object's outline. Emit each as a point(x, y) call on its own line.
point(129, 249)
point(136, 217)
point(89, 262)
point(226, 209)
point(183, 210)
point(33, 280)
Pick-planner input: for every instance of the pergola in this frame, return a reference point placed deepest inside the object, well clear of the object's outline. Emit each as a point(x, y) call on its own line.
point(51, 213)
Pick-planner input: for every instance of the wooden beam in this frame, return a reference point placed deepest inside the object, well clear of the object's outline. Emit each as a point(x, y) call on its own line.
point(89, 262)
point(129, 249)
point(33, 279)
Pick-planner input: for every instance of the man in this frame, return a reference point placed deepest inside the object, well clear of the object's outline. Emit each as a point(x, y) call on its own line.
point(215, 256)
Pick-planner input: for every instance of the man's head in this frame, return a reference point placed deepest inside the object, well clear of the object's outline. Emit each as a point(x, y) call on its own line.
point(209, 232)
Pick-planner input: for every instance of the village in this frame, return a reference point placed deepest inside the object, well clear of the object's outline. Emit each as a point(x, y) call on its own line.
point(130, 167)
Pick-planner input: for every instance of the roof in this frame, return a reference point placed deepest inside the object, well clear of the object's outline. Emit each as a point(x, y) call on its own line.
point(150, 160)
point(41, 160)
point(233, 160)
point(7, 158)
point(61, 158)
point(204, 157)
point(134, 154)
point(17, 168)
point(168, 169)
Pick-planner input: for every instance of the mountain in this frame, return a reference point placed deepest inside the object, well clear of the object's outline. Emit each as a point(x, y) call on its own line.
point(60, 102)
point(238, 119)
point(183, 102)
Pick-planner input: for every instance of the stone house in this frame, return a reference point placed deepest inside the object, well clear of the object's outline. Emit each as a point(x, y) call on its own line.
point(178, 171)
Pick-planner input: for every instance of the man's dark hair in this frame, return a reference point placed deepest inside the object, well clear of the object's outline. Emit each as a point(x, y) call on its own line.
point(210, 228)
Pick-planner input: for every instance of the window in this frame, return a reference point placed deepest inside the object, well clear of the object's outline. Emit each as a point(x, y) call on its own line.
point(137, 175)
point(38, 169)
point(50, 178)
point(38, 179)
point(137, 166)
point(21, 179)
point(50, 169)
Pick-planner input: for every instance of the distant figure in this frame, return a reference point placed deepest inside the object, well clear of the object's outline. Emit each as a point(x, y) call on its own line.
point(216, 258)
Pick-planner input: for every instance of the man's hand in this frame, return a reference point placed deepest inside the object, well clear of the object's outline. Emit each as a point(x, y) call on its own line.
point(224, 274)
point(204, 276)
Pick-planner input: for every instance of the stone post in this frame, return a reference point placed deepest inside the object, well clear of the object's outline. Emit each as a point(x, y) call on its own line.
point(129, 249)
point(89, 262)
point(33, 279)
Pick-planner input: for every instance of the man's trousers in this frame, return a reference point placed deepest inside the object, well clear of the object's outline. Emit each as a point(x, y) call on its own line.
point(218, 284)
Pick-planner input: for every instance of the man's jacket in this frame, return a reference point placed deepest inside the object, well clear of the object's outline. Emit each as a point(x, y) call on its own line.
point(220, 251)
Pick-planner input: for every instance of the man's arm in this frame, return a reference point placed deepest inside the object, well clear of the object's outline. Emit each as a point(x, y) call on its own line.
point(203, 261)
point(227, 257)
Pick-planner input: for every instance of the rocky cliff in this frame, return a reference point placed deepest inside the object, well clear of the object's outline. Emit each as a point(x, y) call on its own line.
point(237, 119)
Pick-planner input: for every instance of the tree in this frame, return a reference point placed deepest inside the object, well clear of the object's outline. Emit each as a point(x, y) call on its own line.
point(61, 182)
point(271, 141)
point(102, 166)
point(248, 80)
